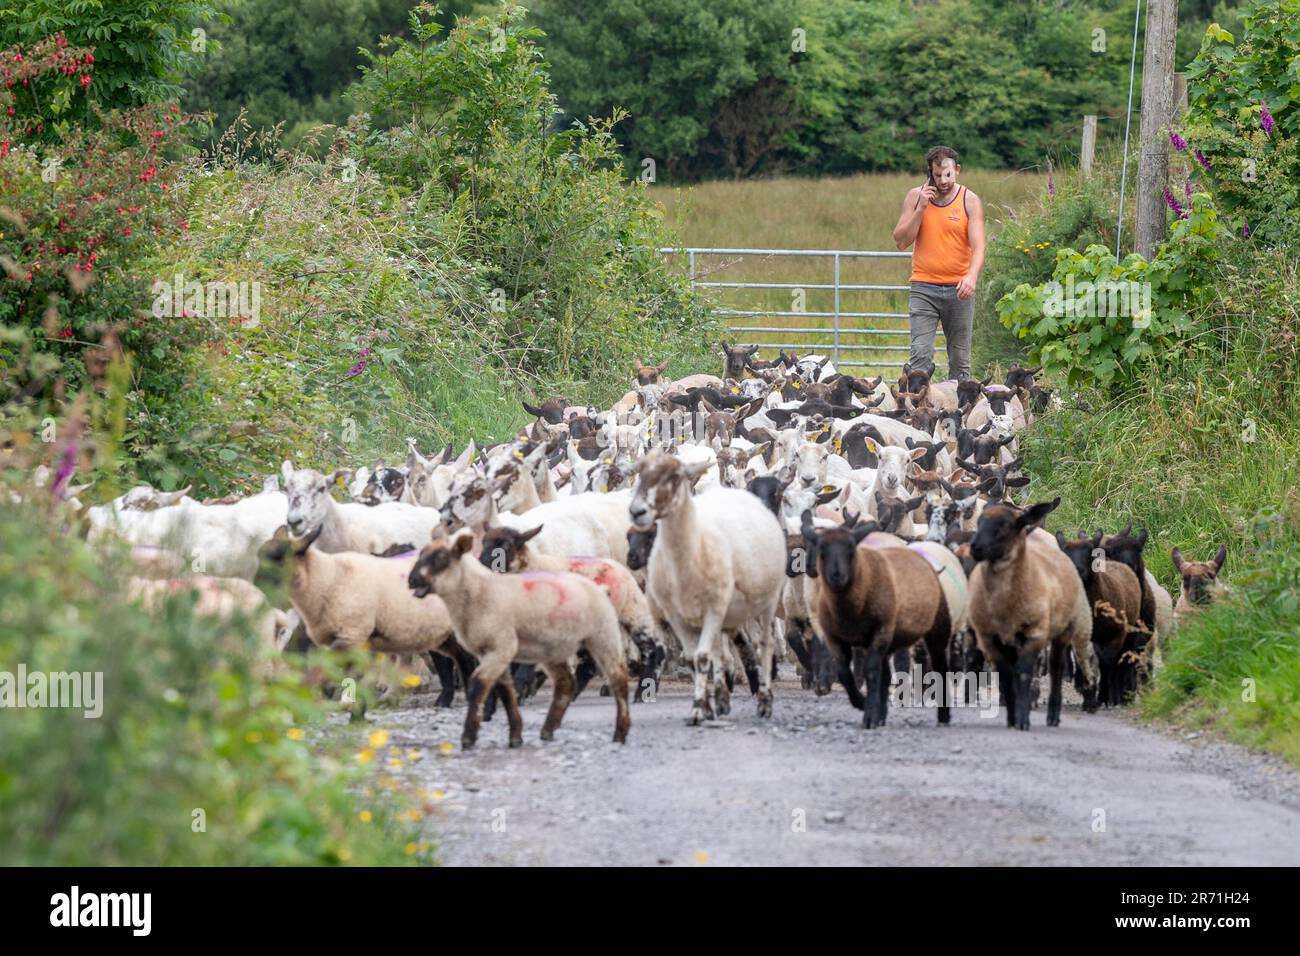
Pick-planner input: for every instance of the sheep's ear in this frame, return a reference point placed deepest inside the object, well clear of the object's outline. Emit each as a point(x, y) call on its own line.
point(919, 453)
point(462, 544)
point(1019, 482)
point(169, 498)
point(662, 366)
point(986, 381)
point(447, 454)
point(943, 483)
point(301, 545)
point(1034, 514)
point(530, 533)
point(828, 494)
point(1220, 558)
point(871, 445)
point(862, 530)
point(532, 409)
point(1178, 559)
point(696, 471)
point(286, 469)
point(1007, 440)
point(1142, 538)
point(909, 442)
point(985, 429)
point(750, 475)
point(914, 503)
point(1060, 541)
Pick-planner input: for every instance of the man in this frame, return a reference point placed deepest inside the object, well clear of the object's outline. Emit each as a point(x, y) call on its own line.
point(946, 221)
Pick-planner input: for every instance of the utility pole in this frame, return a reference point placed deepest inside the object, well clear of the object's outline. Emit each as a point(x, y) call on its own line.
point(1157, 112)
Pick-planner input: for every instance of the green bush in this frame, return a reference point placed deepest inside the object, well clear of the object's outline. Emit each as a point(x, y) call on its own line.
point(1254, 172)
point(1103, 321)
point(185, 727)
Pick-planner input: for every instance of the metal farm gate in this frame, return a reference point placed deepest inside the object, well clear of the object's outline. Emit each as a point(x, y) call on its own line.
point(870, 341)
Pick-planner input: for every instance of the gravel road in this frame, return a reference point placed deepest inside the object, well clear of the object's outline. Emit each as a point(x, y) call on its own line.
point(810, 786)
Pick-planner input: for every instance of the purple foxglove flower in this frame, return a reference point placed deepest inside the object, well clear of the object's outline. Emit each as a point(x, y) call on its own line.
point(1180, 144)
point(67, 465)
point(361, 365)
point(1245, 230)
point(1172, 203)
point(1187, 188)
point(1266, 118)
point(1200, 158)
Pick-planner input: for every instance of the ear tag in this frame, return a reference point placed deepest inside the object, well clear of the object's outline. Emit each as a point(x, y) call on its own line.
point(827, 488)
point(338, 480)
point(519, 453)
point(796, 384)
point(735, 390)
point(838, 444)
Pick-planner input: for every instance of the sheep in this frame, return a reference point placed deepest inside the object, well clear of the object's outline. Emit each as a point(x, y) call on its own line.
point(218, 540)
point(1116, 600)
point(1199, 580)
point(1157, 605)
point(737, 359)
point(223, 598)
point(879, 600)
point(428, 481)
point(716, 567)
point(536, 617)
point(508, 550)
point(648, 374)
point(1025, 595)
point(350, 526)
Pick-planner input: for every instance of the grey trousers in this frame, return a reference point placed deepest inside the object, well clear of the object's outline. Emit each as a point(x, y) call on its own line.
point(930, 305)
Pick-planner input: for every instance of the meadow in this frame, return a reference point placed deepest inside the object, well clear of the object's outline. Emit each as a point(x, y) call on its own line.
point(835, 213)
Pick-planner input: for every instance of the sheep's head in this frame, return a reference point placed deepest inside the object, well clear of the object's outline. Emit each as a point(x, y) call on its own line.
point(940, 517)
point(833, 551)
point(1199, 577)
point(469, 503)
point(640, 542)
point(308, 493)
point(1018, 377)
point(1039, 397)
point(736, 359)
point(147, 498)
point(505, 549)
point(913, 380)
point(663, 483)
point(1126, 548)
point(550, 411)
point(1002, 529)
point(768, 489)
point(648, 374)
point(1082, 553)
point(279, 556)
point(893, 512)
point(998, 396)
point(891, 469)
point(969, 391)
point(439, 556)
point(379, 486)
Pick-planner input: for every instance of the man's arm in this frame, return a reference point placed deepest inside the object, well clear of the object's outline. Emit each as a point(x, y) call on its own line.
point(909, 222)
point(975, 233)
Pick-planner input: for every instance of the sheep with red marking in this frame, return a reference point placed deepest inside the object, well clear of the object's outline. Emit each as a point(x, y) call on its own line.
point(536, 617)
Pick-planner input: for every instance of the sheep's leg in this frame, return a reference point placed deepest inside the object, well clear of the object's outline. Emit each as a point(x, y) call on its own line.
point(766, 653)
point(505, 689)
point(1007, 687)
point(1085, 661)
point(1056, 668)
point(938, 654)
point(613, 667)
point(491, 668)
point(561, 695)
point(748, 659)
point(902, 660)
point(859, 660)
point(828, 657)
point(585, 671)
point(877, 666)
point(882, 704)
point(445, 668)
point(704, 675)
point(795, 638)
point(1026, 665)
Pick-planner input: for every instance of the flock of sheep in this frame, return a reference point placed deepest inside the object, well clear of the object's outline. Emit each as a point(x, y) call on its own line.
point(782, 507)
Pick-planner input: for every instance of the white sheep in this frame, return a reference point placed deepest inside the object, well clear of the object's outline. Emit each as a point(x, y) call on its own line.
point(716, 567)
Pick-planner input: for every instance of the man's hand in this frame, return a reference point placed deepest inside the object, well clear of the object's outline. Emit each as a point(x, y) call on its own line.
point(966, 287)
point(928, 193)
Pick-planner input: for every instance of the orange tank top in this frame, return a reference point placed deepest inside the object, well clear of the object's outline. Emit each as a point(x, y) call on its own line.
point(942, 252)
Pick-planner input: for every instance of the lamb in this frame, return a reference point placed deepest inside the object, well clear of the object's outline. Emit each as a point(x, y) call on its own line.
point(1199, 579)
point(536, 617)
point(350, 526)
point(1116, 600)
point(348, 600)
point(716, 567)
point(1157, 605)
point(879, 600)
point(1024, 596)
point(508, 550)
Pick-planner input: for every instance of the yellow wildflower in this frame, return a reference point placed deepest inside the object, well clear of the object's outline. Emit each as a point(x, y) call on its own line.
point(379, 738)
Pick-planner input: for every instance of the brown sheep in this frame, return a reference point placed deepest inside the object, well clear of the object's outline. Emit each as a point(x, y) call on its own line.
point(1116, 600)
point(1200, 584)
point(1025, 596)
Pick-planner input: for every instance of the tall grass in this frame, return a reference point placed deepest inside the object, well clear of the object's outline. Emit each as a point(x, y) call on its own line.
point(851, 212)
